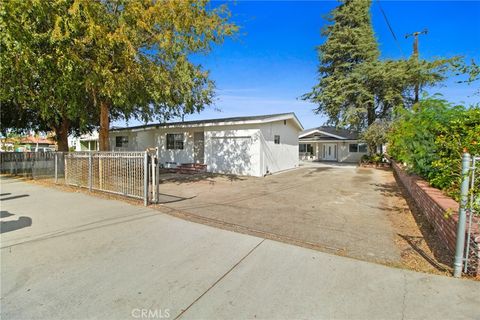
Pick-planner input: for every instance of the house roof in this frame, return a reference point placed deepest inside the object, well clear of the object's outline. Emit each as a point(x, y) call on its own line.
point(329, 133)
point(35, 140)
point(220, 121)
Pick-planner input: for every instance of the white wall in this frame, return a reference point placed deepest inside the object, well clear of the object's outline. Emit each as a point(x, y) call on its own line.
point(283, 156)
point(233, 150)
point(137, 140)
point(178, 156)
point(345, 156)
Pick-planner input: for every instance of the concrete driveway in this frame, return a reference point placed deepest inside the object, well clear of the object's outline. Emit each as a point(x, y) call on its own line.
point(340, 209)
point(82, 257)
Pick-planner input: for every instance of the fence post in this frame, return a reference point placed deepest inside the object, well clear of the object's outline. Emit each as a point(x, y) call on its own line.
point(90, 171)
point(460, 241)
point(56, 167)
point(145, 178)
point(157, 177)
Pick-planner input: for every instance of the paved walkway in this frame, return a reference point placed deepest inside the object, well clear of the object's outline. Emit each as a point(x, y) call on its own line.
point(70, 255)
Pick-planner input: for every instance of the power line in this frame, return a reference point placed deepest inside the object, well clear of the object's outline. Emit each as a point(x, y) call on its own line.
point(390, 27)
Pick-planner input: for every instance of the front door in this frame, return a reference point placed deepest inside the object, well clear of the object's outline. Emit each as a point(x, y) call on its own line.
point(198, 147)
point(330, 151)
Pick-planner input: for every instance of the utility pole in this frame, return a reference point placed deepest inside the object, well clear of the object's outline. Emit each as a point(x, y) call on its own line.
point(415, 54)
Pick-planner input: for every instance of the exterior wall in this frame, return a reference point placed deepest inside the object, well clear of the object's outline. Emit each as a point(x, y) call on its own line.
point(233, 150)
point(137, 140)
point(176, 156)
point(345, 156)
point(343, 153)
point(435, 206)
point(282, 156)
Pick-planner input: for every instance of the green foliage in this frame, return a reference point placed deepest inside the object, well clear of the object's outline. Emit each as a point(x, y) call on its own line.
point(41, 86)
point(376, 158)
point(355, 88)
point(431, 138)
point(80, 63)
point(350, 42)
point(376, 134)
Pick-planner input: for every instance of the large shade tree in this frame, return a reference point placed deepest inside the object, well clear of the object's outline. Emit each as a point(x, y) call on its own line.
point(350, 42)
point(41, 86)
point(137, 55)
point(82, 62)
point(355, 87)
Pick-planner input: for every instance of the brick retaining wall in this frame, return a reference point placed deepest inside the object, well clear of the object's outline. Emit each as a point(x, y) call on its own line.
point(436, 206)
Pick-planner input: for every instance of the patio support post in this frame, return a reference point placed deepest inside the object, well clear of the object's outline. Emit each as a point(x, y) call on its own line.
point(460, 241)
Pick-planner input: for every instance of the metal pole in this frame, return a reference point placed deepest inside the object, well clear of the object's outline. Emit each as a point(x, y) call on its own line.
point(157, 182)
point(470, 214)
point(154, 175)
point(56, 168)
point(90, 171)
point(460, 243)
point(145, 178)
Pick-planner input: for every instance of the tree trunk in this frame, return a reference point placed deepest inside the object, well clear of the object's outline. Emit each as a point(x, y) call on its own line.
point(370, 115)
point(104, 144)
point(61, 134)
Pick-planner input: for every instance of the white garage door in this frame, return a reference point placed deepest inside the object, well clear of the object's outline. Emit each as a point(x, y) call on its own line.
point(231, 155)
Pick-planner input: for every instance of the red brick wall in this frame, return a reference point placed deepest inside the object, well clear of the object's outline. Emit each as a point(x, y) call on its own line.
point(436, 206)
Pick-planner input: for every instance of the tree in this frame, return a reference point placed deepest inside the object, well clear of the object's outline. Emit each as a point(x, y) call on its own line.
point(136, 55)
point(376, 134)
point(82, 63)
point(350, 43)
point(41, 86)
point(356, 88)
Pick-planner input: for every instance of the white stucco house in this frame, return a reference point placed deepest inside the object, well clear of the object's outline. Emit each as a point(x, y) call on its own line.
point(331, 144)
point(254, 145)
point(87, 142)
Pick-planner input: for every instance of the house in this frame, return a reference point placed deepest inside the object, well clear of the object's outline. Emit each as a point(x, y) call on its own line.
point(87, 142)
point(254, 145)
point(30, 143)
point(331, 144)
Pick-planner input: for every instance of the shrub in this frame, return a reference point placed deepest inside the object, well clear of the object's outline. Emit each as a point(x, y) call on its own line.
point(431, 138)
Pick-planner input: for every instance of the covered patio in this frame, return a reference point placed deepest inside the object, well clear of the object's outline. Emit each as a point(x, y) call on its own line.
point(331, 144)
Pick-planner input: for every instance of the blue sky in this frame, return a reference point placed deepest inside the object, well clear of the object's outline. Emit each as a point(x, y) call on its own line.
point(272, 60)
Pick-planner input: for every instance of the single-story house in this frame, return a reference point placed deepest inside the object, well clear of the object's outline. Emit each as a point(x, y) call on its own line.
point(331, 144)
point(87, 142)
point(254, 145)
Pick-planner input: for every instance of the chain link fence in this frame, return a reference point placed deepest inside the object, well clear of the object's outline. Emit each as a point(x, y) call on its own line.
point(130, 174)
point(123, 173)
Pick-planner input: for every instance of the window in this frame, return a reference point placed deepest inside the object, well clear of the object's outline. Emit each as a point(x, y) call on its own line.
point(357, 147)
point(175, 141)
point(277, 139)
point(121, 141)
point(302, 147)
point(362, 147)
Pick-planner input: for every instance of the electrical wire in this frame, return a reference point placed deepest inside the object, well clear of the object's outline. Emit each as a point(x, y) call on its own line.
point(390, 27)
